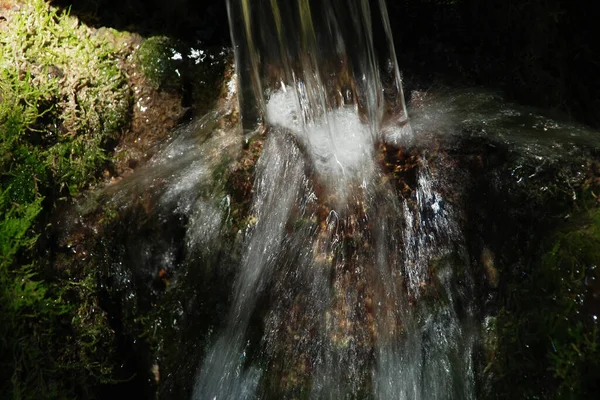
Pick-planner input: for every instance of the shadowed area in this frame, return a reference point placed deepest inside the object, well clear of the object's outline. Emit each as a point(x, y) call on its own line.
point(182, 19)
point(542, 53)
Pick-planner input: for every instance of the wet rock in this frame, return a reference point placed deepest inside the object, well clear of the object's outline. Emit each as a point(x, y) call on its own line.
point(492, 275)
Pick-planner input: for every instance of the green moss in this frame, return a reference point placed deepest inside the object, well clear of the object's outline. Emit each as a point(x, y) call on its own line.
point(56, 340)
point(575, 356)
point(63, 99)
point(14, 227)
point(547, 334)
point(159, 61)
point(93, 347)
point(176, 66)
point(63, 92)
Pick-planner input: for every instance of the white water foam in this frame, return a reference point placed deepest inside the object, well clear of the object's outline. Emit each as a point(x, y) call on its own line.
point(339, 145)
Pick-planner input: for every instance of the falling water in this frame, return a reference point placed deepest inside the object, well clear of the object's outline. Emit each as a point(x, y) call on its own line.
point(353, 283)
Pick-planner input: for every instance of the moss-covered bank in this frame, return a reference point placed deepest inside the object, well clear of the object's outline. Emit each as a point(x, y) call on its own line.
point(535, 242)
point(546, 340)
point(78, 107)
point(65, 103)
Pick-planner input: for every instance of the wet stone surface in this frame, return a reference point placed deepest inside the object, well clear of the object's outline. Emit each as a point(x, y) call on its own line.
point(507, 201)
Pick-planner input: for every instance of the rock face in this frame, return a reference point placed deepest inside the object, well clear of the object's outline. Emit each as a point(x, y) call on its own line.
point(160, 270)
point(170, 249)
point(142, 266)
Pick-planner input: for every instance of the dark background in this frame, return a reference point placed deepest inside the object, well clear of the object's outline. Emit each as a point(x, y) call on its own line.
point(539, 52)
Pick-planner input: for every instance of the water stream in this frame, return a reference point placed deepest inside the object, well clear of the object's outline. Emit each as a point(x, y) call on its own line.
point(342, 280)
point(352, 272)
point(344, 260)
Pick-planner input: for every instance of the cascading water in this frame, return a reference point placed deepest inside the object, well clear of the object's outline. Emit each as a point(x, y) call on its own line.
point(327, 250)
point(352, 282)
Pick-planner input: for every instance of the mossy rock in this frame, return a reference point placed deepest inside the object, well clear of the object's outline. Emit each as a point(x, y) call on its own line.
point(159, 61)
point(64, 92)
point(546, 335)
point(174, 65)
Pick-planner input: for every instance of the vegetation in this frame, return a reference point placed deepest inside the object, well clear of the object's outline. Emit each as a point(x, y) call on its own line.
point(64, 97)
point(548, 344)
point(158, 60)
point(64, 101)
point(174, 65)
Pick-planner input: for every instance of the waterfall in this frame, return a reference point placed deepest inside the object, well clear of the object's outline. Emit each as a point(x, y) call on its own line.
point(360, 290)
point(324, 51)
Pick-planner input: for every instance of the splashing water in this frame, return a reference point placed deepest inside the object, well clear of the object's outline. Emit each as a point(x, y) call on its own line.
point(348, 269)
point(324, 52)
point(343, 263)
